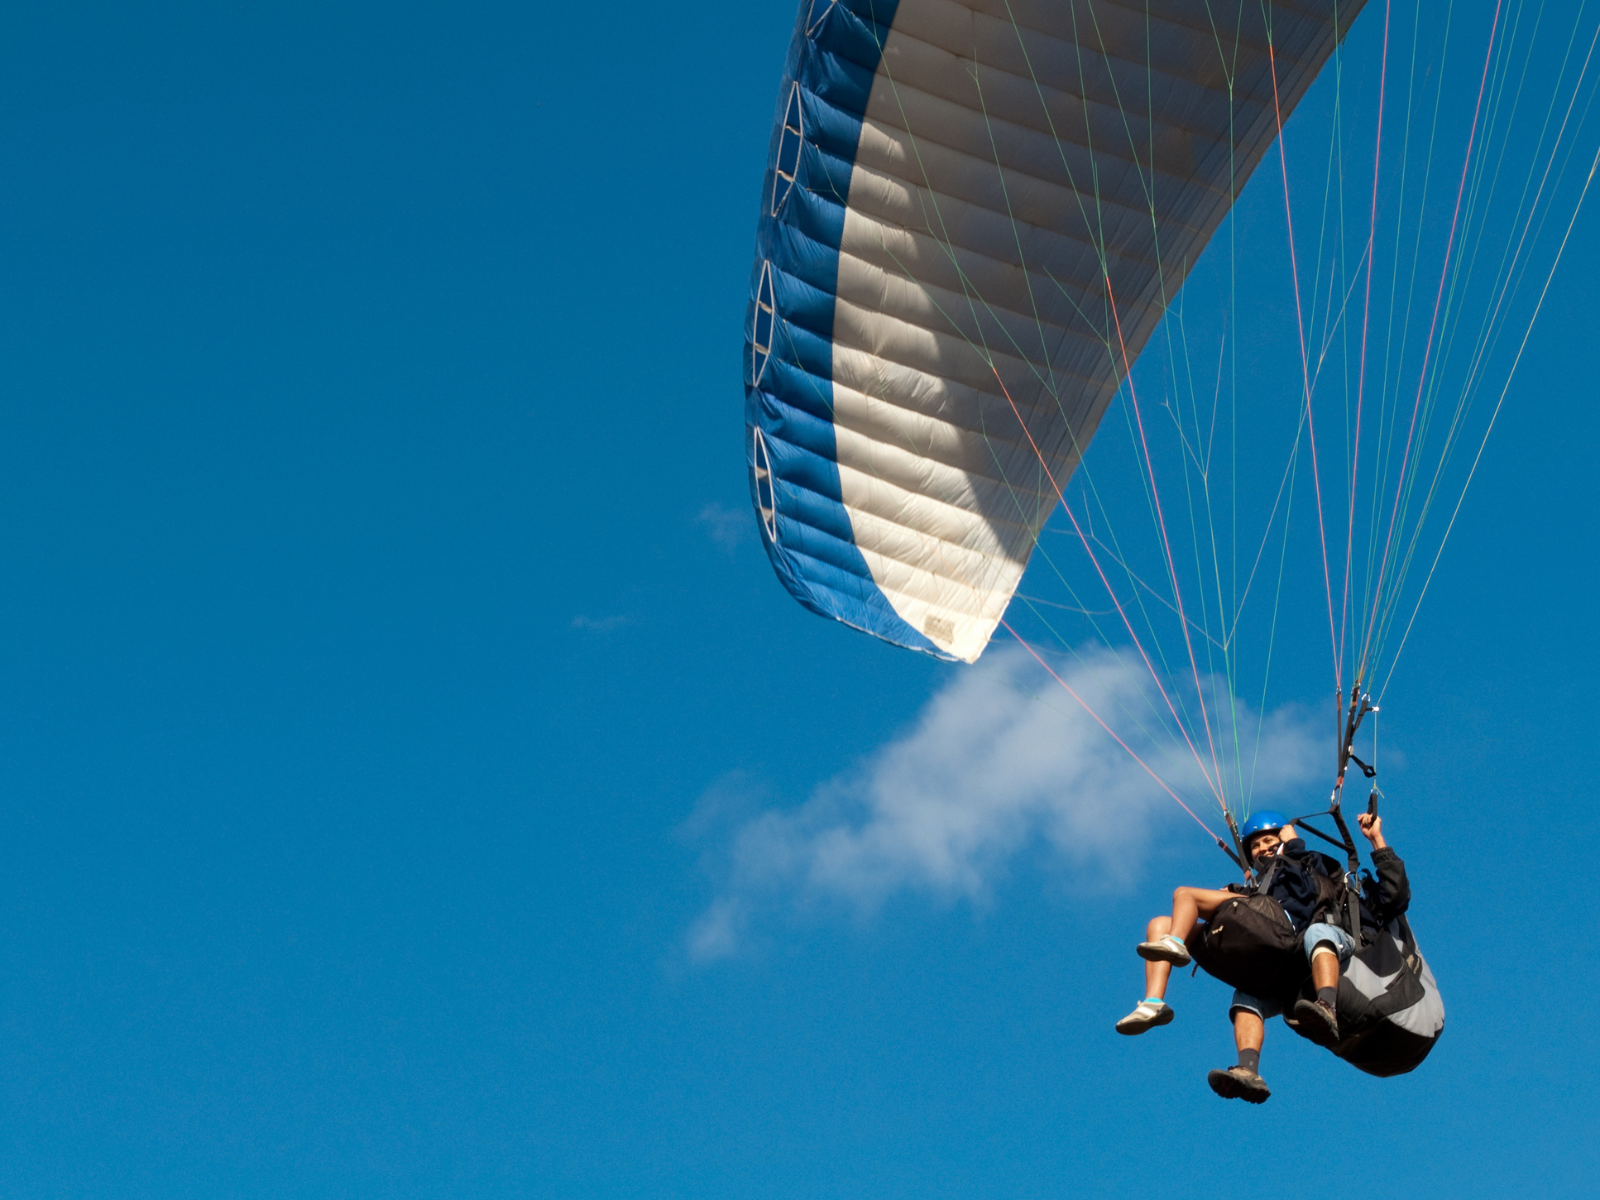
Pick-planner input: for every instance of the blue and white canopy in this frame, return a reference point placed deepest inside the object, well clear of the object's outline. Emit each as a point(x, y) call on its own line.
point(975, 213)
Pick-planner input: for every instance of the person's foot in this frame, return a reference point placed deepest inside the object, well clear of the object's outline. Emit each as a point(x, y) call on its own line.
point(1318, 1021)
point(1239, 1083)
point(1147, 1015)
point(1167, 949)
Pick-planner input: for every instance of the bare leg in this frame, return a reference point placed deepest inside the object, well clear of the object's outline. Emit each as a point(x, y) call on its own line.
point(1153, 1009)
point(1324, 967)
point(1156, 974)
point(1249, 1030)
point(1244, 1082)
point(1190, 904)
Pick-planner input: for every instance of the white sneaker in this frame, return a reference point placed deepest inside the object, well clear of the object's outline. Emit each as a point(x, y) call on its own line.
point(1167, 949)
point(1147, 1015)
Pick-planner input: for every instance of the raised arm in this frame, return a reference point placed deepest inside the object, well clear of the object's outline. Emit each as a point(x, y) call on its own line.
point(1393, 886)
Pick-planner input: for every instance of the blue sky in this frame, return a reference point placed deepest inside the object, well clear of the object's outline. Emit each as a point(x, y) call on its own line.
point(390, 663)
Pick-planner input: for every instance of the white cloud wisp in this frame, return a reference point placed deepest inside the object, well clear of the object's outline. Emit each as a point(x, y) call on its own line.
point(1000, 759)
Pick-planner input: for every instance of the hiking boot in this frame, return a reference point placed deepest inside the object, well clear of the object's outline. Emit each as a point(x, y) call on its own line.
point(1147, 1015)
point(1167, 949)
point(1239, 1083)
point(1317, 1021)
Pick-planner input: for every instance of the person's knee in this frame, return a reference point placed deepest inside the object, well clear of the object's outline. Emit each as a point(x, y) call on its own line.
point(1322, 938)
point(1248, 1009)
point(1158, 927)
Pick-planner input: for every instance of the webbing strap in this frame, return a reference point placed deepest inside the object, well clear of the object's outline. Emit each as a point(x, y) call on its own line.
point(1300, 823)
point(1352, 909)
point(1265, 881)
point(1349, 842)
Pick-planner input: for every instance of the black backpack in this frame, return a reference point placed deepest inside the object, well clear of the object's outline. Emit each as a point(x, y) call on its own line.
point(1251, 944)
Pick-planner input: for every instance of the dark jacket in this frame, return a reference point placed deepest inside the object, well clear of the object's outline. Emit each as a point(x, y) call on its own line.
point(1386, 897)
point(1304, 882)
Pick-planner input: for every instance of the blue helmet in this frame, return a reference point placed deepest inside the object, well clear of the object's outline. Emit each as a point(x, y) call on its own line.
point(1262, 822)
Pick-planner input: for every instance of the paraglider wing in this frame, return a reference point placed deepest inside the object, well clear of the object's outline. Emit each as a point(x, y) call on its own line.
point(974, 215)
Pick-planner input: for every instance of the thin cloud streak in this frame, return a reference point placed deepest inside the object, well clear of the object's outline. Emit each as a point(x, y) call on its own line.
point(999, 761)
point(729, 528)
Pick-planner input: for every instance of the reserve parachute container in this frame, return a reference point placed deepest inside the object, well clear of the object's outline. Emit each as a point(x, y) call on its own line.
point(974, 215)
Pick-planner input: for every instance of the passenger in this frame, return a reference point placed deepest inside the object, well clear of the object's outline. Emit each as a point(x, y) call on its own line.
point(1263, 836)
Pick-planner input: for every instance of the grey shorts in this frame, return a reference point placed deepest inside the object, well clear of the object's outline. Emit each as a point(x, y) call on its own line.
point(1265, 1009)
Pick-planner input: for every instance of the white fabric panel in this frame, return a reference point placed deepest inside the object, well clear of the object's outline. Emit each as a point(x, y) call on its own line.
point(1013, 155)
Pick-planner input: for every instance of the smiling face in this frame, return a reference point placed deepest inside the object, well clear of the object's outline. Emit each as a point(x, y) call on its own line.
point(1264, 844)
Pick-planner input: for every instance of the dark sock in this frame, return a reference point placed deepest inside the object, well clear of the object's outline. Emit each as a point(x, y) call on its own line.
point(1250, 1060)
point(1327, 996)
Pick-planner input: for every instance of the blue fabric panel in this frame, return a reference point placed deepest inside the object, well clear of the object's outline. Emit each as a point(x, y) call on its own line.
point(807, 242)
point(803, 304)
point(854, 34)
point(806, 307)
point(832, 129)
point(814, 553)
